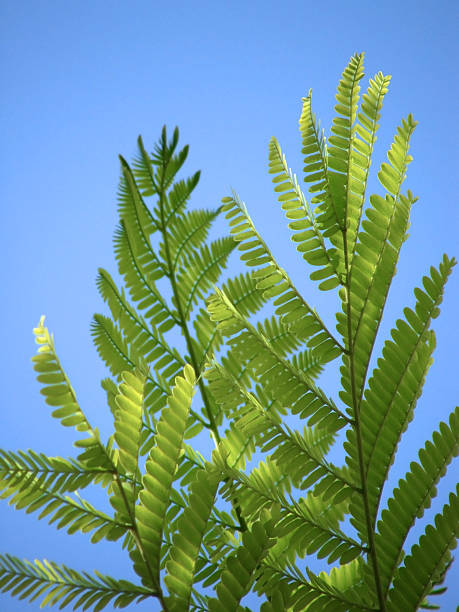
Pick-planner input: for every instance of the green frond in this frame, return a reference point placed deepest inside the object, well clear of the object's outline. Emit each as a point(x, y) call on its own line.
point(111, 346)
point(323, 592)
point(60, 395)
point(397, 383)
point(427, 559)
point(160, 468)
point(58, 584)
point(307, 235)
point(239, 445)
point(187, 235)
point(165, 163)
point(128, 428)
point(143, 170)
point(316, 173)
point(286, 384)
point(145, 342)
point(243, 293)
point(133, 210)
point(274, 282)
point(373, 268)
point(242, 567)
point(301, 456)
point(362, 149)
point(139, 275)
point(413, 495)
point(75, 514)
point(191, 527)
point(340, 149)
point(200, 271)
point(55, 474)
point(177, 199)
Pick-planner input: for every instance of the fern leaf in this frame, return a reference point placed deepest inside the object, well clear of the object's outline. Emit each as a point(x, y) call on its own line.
point(316, 173)
point(187, 235)
point(397, 383)
point(128, 427)
point(166, 163)
point(133, 210)
point(373, 267)
point(242, 567)
point(177, 199)
point(147, 343)
point(59, 394)
point(58, 584)
point(362, 149)
point(140, 274)
point(284, 382)
point(201, 271)
point(310, 525)
point(413, 496)
point(273, 281)
point(307, 235)
point(160, 468)
point(54, 474)
point(191, 527)
point(299, 456)
point(243, 293)
point(33, 494)
point(338, 591)
point(340, 151)
point(426, 560)
point(143, 170)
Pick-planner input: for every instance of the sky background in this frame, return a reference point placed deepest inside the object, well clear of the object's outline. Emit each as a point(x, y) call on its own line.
point(82, 79)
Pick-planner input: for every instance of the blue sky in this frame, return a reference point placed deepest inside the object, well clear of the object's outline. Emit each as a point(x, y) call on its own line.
point(83, 79)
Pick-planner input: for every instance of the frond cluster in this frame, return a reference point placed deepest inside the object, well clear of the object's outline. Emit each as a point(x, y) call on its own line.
point(203, 532)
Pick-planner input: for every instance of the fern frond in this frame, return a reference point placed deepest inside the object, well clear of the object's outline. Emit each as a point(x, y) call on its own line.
point(146, 342)
point(56, 474)
point(301, 456)
point(286, 384)
point(133, 210)
point(307, 235)
point(177, 199)
point(143, 170)
point(139, 275)
point(128, 428)
point(373, 266)
point(111, 346)
point(413, 495)
point(338, 591)
point(310, 525)
point(75, 515)
point(188, 235)
point(167, 163)
point(201, 271)
point(242, 567)
point(427, 559)
point(160, 469)
point(191, 527)
point(243, 293)
point(58, 584)
point(316, 172)
point(273, 281)
point(362, 149)
point(397, 382)
point(59, 394)
point(340, 159)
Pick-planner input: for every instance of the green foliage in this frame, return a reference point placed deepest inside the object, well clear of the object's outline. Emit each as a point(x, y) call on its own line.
point(203, 532)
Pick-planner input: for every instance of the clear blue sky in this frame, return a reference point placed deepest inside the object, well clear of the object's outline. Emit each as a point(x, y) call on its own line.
point(82, 79)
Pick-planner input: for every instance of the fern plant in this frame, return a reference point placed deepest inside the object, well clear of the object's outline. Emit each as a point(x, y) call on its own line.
point(203, 532)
